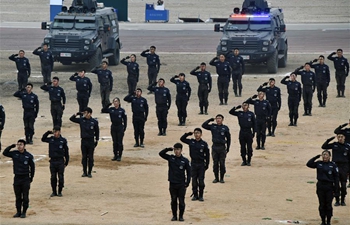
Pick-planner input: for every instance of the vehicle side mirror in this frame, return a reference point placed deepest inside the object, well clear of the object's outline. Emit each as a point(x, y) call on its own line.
point(217, 27)
point(106, 27)
point(43, 25)
point(283, 28)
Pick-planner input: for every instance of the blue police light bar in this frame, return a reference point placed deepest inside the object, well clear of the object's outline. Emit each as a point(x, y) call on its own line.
point(249, 16)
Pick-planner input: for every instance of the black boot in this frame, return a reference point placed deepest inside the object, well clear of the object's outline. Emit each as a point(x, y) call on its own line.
point(181, 215)
point(337, 201)
point(137, 144)
point(174, 210)
point(329, 220)
point(54, 190)
point(244, 161)
point(180, 121)
point(23, 214)
point(206, 110)
point(18, 213)
point(164, 132)
point(248, 161)
point(195, 196)
point(141, 143)
point(200, 198)
point(60, 192)
point(216, 178)
point(222, 175)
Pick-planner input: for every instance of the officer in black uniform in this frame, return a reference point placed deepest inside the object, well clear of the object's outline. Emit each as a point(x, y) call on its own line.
point(345, 131)
point(341, 66)
point(162, 98)
point(2, 121)
point(118, 118)
point(262, 110)
point(223, 70)
point(23, 68)
point(327, 183)
point(322, 79)
point(179, 177)
point(199, 153)
point(273, 95)
point(105, 79)
point(183, 94)
point(58, 100)
point(84, 88)
point(30, 104)
point(341, 157)
point(46, 60)
point(294, 97)
point(204, 87)
point(90, 134)
point(153, 63)
point(24, 170)
point(132, 68)
point(139, 107)
point(221, 139)
point(308, 79)
point(59, 158)
point(237, 65)
point(246, 121)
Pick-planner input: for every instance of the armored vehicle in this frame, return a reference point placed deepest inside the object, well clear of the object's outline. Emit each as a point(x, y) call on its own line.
point(86, 32)
point(259, 32)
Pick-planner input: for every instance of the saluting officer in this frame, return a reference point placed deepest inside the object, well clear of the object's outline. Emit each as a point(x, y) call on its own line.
point(162, 98)
point(59, 158)
point(273, 95)
point(132, 68)
point(345, 131)
point(179, 177)
point(24, 170)
point(23, 68)
point(84, 88)
point(262, 110)
point(327, 183)
point(246, 121)
point(58, 100)
point(204, 87)
point(30, 104)
point(105, 79)
point(221, 139)
point(199, 153)
point(2, 121)
point(46, 60)
point(322, 79)
point(223, 70)
point(237, 64)
point(139, 107)
point(341, 66)
point(153, 63)
point(183, 94)
point(118, 119)
point(89, 134)
point(294, 97)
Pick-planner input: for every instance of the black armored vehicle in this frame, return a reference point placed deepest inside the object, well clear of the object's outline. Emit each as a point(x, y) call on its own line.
point(85, 32)
point(259, 32)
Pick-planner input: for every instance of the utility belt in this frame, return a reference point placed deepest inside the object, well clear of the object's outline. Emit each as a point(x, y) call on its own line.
point(56, 159)
point(55, 102)
point(322, 182)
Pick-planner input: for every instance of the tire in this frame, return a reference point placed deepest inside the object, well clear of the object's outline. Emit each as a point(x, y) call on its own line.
point(272, 63)
point(282, 63)
point(115, 58)
point(96, 59)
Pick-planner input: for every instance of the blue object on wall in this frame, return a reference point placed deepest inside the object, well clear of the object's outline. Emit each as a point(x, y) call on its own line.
point(156, 15)
point(55, 8)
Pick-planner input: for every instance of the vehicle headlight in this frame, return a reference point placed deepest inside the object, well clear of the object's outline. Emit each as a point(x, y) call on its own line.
point(46, 40)
point(264, 49)
point(87, 42)
point(223, 42)
point(224, 49)
point(86, 47)
point(266, 43)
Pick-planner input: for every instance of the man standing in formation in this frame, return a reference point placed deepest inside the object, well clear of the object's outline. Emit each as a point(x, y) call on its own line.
point(23, 68)
point(84, 88)
point(132, 68)
point(105, 79)
point(237, 65)
point(183, 95)
point(341, 66)
point(2, 121)
point(294, 97)
point(223, 70)
point(46, 60)
point(322, 79)
point(153, 63)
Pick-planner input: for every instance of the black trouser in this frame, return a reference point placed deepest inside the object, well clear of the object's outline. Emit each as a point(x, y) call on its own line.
point(177, 192)
point(237, 81)
point(152, 75)
point(83, 101)
point(0, 138)
point(197, 173)
point(21, 186)
point(162, 114)
point(29, 120)
point(260, 131)
point(105, 91)
point(46, 72)
point(272, 122)
point(246, 142)
point(57, 170)
point(139, 125)
point(87, 151)
point(181, 105)
point(219, 156)
point(203, 93)
point(56, 113)
point(343, 174)
point(117, 133)
point(22, 79)
point(340, 77)
point(324, 193)
point(293, 105)
point(132, 83)
point(322, 92)
point(307, 98)
point(223, 83)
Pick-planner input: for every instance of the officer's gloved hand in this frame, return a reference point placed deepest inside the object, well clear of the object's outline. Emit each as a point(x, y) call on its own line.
point(344, 125)
point(147, 50)
point(28, 75)
point(253, 134)
point(211, 120)
point(128, 57)
point(238, 106)
point(266, 83)
point(331, 138)
point(96, 143)
point(145, 119)
point(206, 167)
point(63, 107)
point(333, 53)
point(168, 107)
point(186, 185)
point(197, 68)
point(286, 77)
point(49, 132)
point(315, 60)
point(189, 133)
point(13, 145)
point(15, 54)
point(169, 149)
point(313, 89)
point(227, 150)
point(317, 156)
point(254, 96)
point(31, 179)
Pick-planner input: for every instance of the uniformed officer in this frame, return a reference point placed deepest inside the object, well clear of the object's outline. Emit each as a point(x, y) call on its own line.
point(199, 153)
point(58, 100)
point(246, 121)
point(204, 87)
point(179, 177)
point(46, 60)
point(84, 88)
point(262, 110)
point(341, 157)
point(139, 107)
point(221, 139)
point(153, 63)
point(132, 68)
point(105, 79)
point(223, 70)
point(322, 79)
point(59, 158)
point(294, 97)
point(89, 134)
point(24, 170)
point(341, 66)
point(308, 79)
point(118, 118)
point(327, 184)
point(162, 98)
point(345, 131)
point(273, 95)
point(237, 64)
point(2, 121)
point(30, 105)
point(23, 68)
point(183, 94)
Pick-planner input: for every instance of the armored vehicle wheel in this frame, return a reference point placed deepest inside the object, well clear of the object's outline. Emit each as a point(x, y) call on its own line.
point(114, 59)
point(96, 59)
point(272, 63)
point(282, 63)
